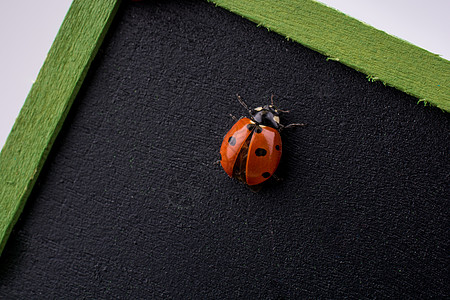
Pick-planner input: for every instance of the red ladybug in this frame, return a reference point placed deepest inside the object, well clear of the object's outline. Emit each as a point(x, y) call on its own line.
point(251, 150)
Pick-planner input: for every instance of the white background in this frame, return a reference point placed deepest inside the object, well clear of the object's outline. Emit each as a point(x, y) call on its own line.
point(28, 27)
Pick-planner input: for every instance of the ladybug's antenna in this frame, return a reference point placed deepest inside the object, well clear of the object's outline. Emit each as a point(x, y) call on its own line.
point(244, 104)
point(271, 99)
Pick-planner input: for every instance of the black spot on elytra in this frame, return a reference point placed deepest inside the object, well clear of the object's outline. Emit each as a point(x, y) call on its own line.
point(232, 141)
point(250, 127)
point(260, 152)
point(258, 129)
point(266, 174)
point(277, 147)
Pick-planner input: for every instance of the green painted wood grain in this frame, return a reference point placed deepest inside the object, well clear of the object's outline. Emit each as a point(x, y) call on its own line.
point(380, 56)
point(48, 103)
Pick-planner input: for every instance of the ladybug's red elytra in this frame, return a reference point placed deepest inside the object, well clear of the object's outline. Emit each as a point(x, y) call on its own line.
point(251, 150)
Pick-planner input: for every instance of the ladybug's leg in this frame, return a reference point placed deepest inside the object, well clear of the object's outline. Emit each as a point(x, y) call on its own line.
point(255, 188)
point(279, 110)
point(234, 118)
point(294, 124)
point(274, 176)
point(291, 125)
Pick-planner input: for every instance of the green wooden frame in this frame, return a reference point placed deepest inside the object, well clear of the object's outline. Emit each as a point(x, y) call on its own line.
point(323, 29)
point(48, 103)
point(380, 56)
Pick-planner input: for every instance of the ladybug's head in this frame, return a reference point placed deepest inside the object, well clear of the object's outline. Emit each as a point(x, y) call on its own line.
point(267, 115)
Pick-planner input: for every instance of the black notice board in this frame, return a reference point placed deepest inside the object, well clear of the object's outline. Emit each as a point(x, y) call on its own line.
point(131, 205)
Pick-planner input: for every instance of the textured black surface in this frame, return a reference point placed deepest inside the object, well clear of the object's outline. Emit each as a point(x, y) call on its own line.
point(131, 205)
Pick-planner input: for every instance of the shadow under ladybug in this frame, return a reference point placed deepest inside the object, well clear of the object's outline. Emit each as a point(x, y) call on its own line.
point(251, 150)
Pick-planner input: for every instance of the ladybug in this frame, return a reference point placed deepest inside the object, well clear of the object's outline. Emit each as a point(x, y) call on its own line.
point(251, 150)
